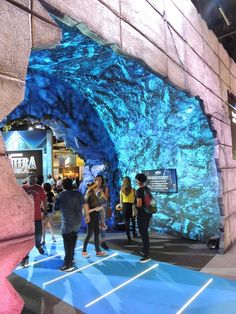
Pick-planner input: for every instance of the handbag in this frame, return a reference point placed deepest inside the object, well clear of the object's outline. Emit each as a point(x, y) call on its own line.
point(119, 207)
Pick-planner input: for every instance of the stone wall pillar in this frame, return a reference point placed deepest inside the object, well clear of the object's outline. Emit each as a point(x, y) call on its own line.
point(24, 25)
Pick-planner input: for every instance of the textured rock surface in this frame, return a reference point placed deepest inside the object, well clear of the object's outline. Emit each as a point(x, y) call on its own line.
point(18, 35)
point(144, 123)
point(16, 233)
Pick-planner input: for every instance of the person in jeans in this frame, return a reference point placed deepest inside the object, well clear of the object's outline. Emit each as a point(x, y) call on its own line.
point(143, 218)
point(93, 226)
point(70, 203)
point(39, 197)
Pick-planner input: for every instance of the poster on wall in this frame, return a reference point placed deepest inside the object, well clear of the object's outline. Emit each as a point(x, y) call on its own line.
point(26, 161)
point(162, 180)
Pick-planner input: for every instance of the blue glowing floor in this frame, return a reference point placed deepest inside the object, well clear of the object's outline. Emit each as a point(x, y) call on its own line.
point(120, 284)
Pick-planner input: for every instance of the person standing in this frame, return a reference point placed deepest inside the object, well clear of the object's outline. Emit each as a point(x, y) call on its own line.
point(93, 226)
point(127, 199)
point(58, 187)
point(40, 179)
point(48, 217)
point(143, 218)
point(70, 202)
point(39, 198)
point(102, 193)
point(50, 180)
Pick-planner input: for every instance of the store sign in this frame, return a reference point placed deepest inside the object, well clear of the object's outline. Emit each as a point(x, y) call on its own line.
point(26, 161)
point(162, 180)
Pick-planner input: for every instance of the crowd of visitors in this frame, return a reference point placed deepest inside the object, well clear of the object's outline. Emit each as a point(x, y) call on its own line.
point(63, 195)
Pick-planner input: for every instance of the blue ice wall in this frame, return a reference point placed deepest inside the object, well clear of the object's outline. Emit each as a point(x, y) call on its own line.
point(147, 123)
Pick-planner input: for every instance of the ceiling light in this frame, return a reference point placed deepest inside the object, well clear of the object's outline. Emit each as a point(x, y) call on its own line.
point(224, 16)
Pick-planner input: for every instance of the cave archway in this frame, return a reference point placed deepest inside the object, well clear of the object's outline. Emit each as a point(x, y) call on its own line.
point(72, 118)
point(145, 123)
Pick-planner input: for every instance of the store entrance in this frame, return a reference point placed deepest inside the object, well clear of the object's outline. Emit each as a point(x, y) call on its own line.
point(33, 147)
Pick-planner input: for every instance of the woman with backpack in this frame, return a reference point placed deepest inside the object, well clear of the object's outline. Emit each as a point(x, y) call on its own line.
point(127, 200)
point(143, 217)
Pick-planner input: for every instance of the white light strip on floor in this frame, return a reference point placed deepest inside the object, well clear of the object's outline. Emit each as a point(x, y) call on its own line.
point(195, 296)
point(45, 259)
point(52, 241)
point(122, 285)
point(79, 269)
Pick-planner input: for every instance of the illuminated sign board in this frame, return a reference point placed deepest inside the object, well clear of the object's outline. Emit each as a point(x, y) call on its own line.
point(26, 161)
point(162, 180)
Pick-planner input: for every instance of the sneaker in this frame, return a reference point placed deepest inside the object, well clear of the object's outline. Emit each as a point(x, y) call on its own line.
point(43, 243)
point(101, 253)
point(67, 268)
point(41, 250)
point(104, 246)
point(85, 254)
point(24, 262)
point(145, 259)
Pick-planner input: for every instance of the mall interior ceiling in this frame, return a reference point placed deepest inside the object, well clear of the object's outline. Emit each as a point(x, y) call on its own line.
point(59, 145)
point(220, 16)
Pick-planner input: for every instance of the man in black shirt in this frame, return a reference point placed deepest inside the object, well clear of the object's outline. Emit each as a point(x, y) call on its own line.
point(143, 218)
point(70, 202)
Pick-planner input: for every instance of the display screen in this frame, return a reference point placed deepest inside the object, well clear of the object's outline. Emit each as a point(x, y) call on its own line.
point(162, 180)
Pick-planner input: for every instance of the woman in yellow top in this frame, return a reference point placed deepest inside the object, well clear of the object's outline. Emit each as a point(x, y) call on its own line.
point(127, 199)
